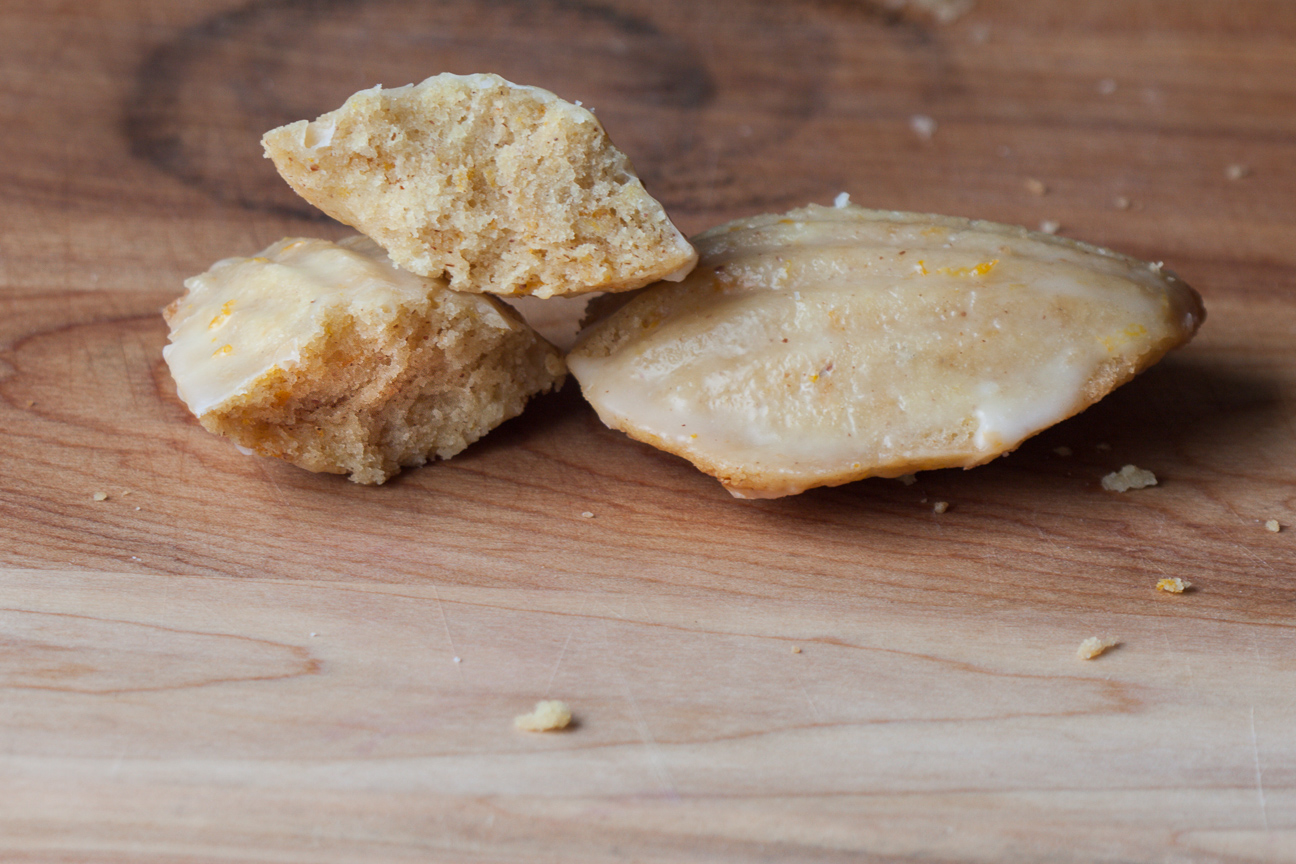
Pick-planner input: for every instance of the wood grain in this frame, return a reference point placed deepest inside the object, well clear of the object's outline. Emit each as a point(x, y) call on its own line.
point(229, 659)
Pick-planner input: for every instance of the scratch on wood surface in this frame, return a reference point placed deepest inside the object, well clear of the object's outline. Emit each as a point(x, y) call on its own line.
point(580, 613)
point(1243, 546)
point(260, 461)
point(814, 709)
point(1259, 774)
point(445, 624)
point(641, 724)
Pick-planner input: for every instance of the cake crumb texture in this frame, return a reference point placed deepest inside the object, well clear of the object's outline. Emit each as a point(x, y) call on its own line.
point(549, 715)
point(1127, 478)
point(500, 188)
point(1093, 646)
point(327, 356)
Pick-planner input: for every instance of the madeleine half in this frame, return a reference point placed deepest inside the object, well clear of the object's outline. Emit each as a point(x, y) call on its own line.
point(329, 357)
point(497, 187)
point(830, 344)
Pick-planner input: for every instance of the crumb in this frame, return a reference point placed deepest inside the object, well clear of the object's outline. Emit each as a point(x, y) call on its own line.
point(923, 126)
point(1048, 226)
point(100, 496)
point(31, 403)
point(137, 508)
point(842, 199)
point(1107, 86)
point(587, 515)
point(1272, 525)
point(796, 650)
point(1103, 446)
point(313, 635)
point(1237, 171)
point(1173, 585)
point(458, 659)
point(1063, 451)
point(549, 715)
point(940, 506)
point(907, 479)
point(1120, 202)
point(1036, 187)
point(1093, 646)
point(1129, 477)
point(125, 492)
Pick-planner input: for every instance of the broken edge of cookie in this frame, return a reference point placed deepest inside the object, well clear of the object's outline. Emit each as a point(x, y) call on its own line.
point(500, 188)
point(327, 356)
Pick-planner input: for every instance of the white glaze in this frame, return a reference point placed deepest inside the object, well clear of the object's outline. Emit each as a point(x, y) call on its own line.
point(245, 317)
point(909, 341)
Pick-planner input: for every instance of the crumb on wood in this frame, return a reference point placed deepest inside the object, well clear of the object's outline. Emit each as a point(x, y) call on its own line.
point(1107, 86)
point(1049, 226)
point(923, 126)
point(587, 515)
point(100, 496)
point(907, 479)
point(1273, 526)
point(796, 649)
point(1093, 646)
point(1036, 187)
point(940, 506)
point(1173, 585)
point(1063, 451)
point(1120, 202)
point(549, 715)
point(1237, 171)
point(1127, 478)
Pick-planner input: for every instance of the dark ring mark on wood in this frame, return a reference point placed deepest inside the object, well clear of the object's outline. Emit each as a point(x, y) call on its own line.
point(154, 117)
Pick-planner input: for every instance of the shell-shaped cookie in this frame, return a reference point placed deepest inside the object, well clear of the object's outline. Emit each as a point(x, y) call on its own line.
point(830, 344)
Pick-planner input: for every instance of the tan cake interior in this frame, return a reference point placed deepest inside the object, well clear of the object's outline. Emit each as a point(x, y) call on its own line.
point(501, 188)
point(328, 357)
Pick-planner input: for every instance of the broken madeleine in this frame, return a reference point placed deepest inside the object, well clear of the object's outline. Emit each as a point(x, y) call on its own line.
point(327, 356)
point(830, 344)
point(498, 187)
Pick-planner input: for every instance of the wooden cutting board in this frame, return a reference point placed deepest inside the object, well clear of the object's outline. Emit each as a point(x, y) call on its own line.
point(229, 659)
